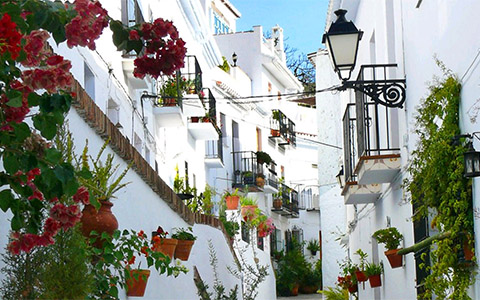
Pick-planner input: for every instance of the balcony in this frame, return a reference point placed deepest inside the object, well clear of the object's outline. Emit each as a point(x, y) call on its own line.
point(247, 172)
point(180, 95)
point(271, 180)
point(204, 126)
point(353, 192)
point(289, 207)
point(377, 134)
point(214, 153)
point(282, 129)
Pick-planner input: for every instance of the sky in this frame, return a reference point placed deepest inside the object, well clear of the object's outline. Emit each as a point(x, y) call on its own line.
point(303, 21)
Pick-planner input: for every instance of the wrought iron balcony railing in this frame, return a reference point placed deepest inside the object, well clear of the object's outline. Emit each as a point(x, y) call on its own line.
point(282, 128)
point(349, 142)
point(245, 168)
point(214, 149)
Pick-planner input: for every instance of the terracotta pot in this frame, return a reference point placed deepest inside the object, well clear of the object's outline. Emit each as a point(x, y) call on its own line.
point(353, 288)
point(100, 221)
point(361, 276)
point(375, 280)
point(194, 119)
point(247, 208)
point(260, 181)
point(294, 291)
point(275, 132)
point(467, 250)
point(166, 246)
point(277, 203)
point(136, 287)
point(394, 259)
point(169, 101)
point(182, 251)
point(232, 202)
point(308, 289)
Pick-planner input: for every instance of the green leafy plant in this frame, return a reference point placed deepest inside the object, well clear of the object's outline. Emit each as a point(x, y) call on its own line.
point(117, 256)
point(313, 245)
point(391, 237)
point(312, 276)
point(336, 293)
point(184, 234)
point(263, 157)
point(290, 270)
point(244, 201)
point(363, 258)
point(438, 188)
point(101, 184)
point(373, 269)
point(207, 203)
point(225, 66)
point(176, 86)
point(227, 193)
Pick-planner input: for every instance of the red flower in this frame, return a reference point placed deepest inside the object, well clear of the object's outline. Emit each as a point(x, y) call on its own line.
point(88, 25)
point(133, 35)
point(82, 195)
point(144, 250)
point(131, 261)
point(141, 234)
point(9, 37)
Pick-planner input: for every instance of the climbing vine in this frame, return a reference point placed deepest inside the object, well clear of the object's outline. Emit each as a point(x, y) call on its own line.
point(438, 188)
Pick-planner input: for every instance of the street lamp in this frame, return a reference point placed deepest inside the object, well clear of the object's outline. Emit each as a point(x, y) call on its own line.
point(234, 58)
point(472, 161)
point(340, 178)
point(342, 40)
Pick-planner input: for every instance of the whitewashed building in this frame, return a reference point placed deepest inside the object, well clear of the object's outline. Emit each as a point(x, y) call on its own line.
point(159, 137)
point(409, 34)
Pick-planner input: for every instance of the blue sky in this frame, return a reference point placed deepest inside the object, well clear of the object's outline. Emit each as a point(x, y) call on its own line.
point(303, 21)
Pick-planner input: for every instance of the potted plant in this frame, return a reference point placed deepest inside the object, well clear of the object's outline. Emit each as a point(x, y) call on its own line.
point(373, 272)
point(114, 263)
point(231, 199)
point(263, 158)
point(247, 177)
point(249, 208)
point(313, 246)
point(277, 197)
point(359, 272)
point(391, 237)
point(185, 240)
point(163, 244)
point(265, 226)
point(173, 88)
point(180, 187)
point(312, 278)
point(207, 203)
point(260, 180)
point(102, 187)
point(349, 279)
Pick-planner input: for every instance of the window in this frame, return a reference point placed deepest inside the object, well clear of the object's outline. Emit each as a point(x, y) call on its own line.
point(260, 242)
point(219, 25)
point(113, 111)
point(245, 232)
point(137, 143)
point(131, 13)
point(259, 139)
point(89, 81)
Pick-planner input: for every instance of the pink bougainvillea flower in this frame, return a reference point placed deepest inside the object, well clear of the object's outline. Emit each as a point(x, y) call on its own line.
point(88, 25)
point(82, 196)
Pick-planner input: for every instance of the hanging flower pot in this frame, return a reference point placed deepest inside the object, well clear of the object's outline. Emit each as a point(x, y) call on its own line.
point(260, 181)
point(165, 245)
point(183, 249)
point(375, 280)
point(361, 276)
point(248, 212)
point(137, 282)
point(277, 203)
point(394, 259)
point(275, 132)
point(100, 221)
point(232, 202)
point(353, 288)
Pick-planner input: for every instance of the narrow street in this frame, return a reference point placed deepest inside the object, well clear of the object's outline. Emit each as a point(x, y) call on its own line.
point(302, 297)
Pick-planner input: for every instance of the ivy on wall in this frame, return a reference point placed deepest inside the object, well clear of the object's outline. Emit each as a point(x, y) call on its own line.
point(439, 189)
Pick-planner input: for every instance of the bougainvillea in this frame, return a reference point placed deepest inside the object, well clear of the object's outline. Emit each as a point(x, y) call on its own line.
point(159, 48)
point(38, 187)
